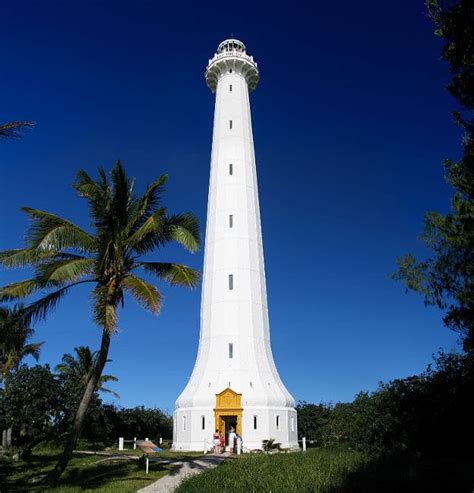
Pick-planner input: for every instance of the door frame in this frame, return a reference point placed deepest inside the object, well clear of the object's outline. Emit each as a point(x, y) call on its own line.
point(228, 403)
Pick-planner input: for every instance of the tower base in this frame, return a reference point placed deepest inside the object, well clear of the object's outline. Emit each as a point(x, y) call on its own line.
point(193, 428)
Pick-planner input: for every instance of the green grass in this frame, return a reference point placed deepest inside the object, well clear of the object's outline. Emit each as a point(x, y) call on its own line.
point(333, 471)
point(336, 470)
point(84, 473)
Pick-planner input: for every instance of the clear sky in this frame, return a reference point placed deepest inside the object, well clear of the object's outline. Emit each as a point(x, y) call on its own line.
point(351, 124)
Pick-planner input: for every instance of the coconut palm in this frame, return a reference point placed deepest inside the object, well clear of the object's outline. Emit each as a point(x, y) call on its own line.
point(14, 337)
point(13, 130)
point(124, 228)
point(80, 367)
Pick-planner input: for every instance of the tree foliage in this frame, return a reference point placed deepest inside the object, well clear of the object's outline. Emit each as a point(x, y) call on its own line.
point(425, 414)
point(64, 255)
point(78, 369)
point(14, 130)
point(14, 340)
point(143, 422)
point(312, 421)
point(30, 402)
point(125, 226)
point(446, 277)
point(40, 405)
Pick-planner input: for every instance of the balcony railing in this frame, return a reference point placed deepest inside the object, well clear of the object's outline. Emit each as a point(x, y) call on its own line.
point(233, 54)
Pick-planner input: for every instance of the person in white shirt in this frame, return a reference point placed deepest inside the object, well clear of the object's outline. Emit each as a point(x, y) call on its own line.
point(232, 436)
point(239, 444)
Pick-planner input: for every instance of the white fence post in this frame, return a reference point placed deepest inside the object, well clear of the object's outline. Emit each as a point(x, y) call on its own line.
point(146, 439)
point(121, 443)
point(304, 443)
point(161, 440)
point(147, 464)
point(9, 436)
point(134, 443)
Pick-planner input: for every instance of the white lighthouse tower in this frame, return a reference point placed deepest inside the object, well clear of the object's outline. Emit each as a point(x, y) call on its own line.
point(234, 381)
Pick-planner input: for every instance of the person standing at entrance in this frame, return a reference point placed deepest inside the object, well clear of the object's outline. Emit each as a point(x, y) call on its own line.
point(232, 436)
point(216, 442)
point(222, 440)
point(239, 444)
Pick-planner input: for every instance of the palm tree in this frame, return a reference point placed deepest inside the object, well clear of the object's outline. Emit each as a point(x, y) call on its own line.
point(80, 367)
point(125, 227)
point(270, 444)
point(14, 337)
point(13, 130)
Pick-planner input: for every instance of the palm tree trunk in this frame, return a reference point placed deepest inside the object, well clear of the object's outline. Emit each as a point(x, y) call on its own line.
point(82, 409)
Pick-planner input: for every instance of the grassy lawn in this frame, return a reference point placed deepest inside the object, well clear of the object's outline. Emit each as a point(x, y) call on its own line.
point(333, 471)
point(84, 473)
point(319, 470)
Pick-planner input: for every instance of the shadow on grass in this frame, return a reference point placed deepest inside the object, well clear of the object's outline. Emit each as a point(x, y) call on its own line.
point(80, 474)
point(176, 468)
point(403, 474)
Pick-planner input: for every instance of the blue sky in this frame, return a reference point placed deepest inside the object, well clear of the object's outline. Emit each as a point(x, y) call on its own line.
point(351, 124)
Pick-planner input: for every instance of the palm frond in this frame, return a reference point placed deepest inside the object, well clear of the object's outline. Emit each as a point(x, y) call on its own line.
point(14, 130)
point(147, 204)
point(49, 232)
point(86, 186)
point(65, 270)
point(103, 183)
point(38, 310)
point(20, 289)
point(14, 337)
point(32, 349)
point(144, 293)
point(108, 391)
point(122, 196)
point(174, 274)
point(108, 378)
point(23, 257)
point(98, 194)
point(184, 229)
point(80, 367)
point(151, 230)
point(67, 361)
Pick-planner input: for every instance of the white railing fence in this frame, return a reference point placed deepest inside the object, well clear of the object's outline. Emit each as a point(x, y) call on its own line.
point(122, 441)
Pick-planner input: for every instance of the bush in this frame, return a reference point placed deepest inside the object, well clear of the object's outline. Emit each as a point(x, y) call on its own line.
point(30, 404)
point(423, 414)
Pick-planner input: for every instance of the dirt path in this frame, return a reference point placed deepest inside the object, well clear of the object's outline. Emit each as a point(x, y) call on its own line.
point(183, 470)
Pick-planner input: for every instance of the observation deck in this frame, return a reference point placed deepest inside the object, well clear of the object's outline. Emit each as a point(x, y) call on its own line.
point(231, 57)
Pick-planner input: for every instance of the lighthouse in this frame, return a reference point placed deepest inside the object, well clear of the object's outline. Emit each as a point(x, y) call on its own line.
point(235, 382)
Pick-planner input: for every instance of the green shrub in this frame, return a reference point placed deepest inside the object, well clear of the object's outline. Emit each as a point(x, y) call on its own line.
point(426, 414)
